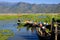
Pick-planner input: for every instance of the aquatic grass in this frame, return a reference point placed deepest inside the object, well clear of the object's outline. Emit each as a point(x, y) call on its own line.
point(5, 34)
point(39, 17)
point(32, 17)
point(7, 17)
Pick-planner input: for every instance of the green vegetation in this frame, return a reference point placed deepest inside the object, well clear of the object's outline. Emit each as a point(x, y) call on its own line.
point(39, 17)
point(5, 17)
point(32, 17)
point(5, 34)
point(20, 26)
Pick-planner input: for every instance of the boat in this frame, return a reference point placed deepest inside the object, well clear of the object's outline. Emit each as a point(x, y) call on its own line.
point(41, 35)
point(53, 35)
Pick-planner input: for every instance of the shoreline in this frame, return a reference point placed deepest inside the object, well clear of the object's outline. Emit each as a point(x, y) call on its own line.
point(29, 13)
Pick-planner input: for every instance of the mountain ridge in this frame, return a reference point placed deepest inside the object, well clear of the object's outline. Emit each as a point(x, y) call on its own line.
point(22, 7)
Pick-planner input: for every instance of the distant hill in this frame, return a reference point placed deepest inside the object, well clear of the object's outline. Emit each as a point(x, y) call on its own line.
point(22, 7)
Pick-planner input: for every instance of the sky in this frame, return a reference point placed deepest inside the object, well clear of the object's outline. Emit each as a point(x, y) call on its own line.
point(34, 1)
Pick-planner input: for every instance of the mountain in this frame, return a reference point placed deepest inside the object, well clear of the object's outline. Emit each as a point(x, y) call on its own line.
point(22, 7)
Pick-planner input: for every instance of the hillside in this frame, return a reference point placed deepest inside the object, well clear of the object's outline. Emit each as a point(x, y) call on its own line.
point(22, 7)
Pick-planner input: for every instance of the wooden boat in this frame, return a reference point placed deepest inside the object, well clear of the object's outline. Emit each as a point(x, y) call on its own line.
point(43, 36)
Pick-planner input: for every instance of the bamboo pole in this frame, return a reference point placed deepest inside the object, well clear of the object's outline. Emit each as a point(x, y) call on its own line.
point(56, 32)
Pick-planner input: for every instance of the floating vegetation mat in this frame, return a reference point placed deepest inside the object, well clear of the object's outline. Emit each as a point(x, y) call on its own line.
point(5, 34)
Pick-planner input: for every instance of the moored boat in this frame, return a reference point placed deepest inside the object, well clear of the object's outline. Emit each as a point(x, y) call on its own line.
point(43, 36)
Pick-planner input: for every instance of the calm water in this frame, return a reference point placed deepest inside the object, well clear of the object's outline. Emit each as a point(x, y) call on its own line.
point(19, 33)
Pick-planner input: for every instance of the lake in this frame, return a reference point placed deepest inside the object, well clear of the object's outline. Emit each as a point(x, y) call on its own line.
point(19, 33)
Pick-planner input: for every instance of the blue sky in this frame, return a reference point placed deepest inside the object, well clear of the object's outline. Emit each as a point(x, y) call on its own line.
point(34, 1)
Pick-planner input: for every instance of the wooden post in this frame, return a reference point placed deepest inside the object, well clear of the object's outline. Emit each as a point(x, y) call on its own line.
point(51, 24)
point(56, 32)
